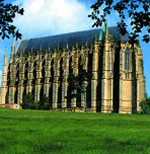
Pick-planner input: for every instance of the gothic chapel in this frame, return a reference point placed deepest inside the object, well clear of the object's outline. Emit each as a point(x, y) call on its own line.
point(41, 66)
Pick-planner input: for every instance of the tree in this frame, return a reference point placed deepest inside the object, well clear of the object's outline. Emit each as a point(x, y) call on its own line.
point(145, 106)
point(136, 12)
point(7, 14)
point(77, 83)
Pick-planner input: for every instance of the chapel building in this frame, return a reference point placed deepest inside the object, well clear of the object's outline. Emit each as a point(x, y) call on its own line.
point(110, 72)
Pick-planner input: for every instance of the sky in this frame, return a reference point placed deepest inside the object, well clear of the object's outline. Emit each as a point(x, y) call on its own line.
point(50, 17)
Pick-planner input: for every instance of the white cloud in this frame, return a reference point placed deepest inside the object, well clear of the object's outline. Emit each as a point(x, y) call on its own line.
point(47, 17)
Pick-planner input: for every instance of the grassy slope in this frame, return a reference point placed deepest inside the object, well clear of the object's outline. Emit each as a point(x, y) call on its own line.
point(68, 133)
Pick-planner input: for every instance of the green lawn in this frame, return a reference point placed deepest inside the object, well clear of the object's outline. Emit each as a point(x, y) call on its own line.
point(39, 132)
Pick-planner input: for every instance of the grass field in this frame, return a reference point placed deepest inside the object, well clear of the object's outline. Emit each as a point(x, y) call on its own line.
point(39, 132)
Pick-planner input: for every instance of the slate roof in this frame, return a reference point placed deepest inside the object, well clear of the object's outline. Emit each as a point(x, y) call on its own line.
point(114, 31)
point(64, 40)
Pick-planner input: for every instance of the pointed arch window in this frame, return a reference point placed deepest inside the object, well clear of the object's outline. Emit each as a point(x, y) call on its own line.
point(127, 59)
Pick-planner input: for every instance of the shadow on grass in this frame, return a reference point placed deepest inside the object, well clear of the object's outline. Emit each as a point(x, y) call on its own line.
point(3, 146)
point(48, 147)
point(112, 145)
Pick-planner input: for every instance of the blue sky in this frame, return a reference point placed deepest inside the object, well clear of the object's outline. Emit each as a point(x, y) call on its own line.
point(49, 17)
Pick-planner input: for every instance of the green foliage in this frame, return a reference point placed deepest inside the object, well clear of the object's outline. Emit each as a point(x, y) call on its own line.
point(43, 104)
point(42, 132)
point(76, 82)
point(133, 14)
point(145, 106)
point(29, 103)
point(7, 14)
point(83, 76)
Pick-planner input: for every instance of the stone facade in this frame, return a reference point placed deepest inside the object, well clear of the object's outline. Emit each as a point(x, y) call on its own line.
point(115, 83)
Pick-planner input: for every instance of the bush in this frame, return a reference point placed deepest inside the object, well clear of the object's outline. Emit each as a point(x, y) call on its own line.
point(44, 103)
point(29, 103)
point(145, 106)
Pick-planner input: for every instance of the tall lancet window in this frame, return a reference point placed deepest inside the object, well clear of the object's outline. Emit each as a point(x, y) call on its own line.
point(127, 59)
